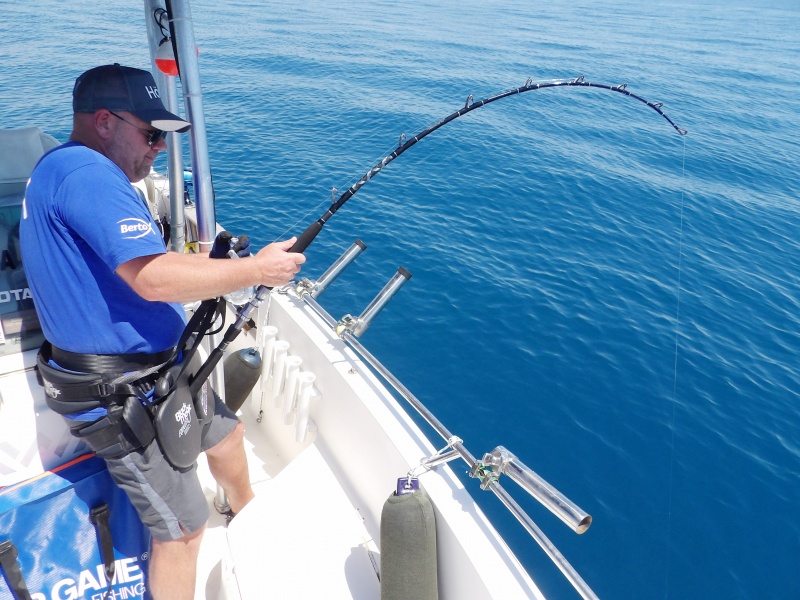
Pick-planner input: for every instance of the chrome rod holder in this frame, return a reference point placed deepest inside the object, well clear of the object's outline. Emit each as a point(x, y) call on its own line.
point(501, 461)
point(337, 267)
point(439, 459)
point(442, 456)
point(544, 542)
point(359, 325)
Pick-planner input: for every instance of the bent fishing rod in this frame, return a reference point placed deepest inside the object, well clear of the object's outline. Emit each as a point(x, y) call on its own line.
point(313, 230)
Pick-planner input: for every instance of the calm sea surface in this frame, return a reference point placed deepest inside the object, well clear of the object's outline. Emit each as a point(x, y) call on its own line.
point(615, 303)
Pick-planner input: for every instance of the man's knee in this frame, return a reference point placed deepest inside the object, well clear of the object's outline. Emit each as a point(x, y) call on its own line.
point(230, 442)
point(187, 546)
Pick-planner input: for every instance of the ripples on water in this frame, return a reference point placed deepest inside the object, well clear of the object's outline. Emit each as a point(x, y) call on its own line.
point(545, 234)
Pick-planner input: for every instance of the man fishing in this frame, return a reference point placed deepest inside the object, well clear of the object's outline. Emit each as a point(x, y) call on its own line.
point(109, 297)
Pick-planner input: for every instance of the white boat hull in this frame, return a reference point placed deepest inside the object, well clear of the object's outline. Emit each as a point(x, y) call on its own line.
point(314, 529)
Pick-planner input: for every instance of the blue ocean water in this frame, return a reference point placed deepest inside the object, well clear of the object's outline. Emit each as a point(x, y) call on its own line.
point(615, 303)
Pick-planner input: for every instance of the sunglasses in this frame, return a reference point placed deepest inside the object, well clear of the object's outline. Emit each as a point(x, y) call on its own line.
point(153, 135)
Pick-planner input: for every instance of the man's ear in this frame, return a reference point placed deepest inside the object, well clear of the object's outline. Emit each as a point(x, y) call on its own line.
point(102, 124)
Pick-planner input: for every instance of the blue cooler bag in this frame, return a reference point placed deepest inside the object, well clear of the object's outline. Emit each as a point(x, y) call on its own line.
point(71, 534)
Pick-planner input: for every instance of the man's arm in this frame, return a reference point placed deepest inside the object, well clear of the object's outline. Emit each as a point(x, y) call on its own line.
point(175, 277)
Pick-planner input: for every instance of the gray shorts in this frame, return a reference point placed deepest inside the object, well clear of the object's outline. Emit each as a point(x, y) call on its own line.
point(169, 502)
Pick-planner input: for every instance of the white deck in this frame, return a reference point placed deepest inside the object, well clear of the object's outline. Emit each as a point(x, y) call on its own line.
point(300, 538)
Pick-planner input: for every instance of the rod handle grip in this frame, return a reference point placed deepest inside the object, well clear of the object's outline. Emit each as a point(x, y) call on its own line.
point(307, 237)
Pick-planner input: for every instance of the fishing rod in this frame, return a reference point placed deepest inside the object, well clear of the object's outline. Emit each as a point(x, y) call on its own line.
point(313, 230)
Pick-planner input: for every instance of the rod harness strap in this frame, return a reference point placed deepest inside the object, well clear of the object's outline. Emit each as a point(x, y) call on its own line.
point(70, 391)
point(110, 363)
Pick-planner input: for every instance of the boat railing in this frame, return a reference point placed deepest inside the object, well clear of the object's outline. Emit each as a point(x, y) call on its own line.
point(492, 465)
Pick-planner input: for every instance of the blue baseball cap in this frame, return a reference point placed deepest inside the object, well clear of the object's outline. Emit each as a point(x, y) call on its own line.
point(114, 87)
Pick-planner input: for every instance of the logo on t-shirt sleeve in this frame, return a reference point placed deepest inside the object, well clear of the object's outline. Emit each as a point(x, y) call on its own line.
point(132, 229)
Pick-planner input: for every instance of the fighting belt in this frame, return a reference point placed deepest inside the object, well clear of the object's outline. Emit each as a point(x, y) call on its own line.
point(120, 403)
point(105, 409)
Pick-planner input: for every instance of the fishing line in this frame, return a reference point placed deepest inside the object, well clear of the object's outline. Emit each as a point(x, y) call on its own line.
point(675, 375)
point(289, 228)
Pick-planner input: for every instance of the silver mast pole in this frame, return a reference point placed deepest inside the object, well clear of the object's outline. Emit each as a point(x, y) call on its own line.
point(193, 99)
point(175, 158)
point(169, 89)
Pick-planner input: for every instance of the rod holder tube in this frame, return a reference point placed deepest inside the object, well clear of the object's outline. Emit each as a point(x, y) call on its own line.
point(281, 349)
point(292, 366)
point(337, 267)
point(383, 297)
point(506, 462)
point(544, 542)
point(305, 392)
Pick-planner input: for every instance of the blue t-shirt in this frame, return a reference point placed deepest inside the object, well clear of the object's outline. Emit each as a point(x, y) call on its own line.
point(81, 219)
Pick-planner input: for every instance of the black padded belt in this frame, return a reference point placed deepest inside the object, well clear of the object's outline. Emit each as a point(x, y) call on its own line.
point(108, 363)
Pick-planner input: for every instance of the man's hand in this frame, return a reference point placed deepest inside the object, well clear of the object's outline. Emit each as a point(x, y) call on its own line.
point(278, 265)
